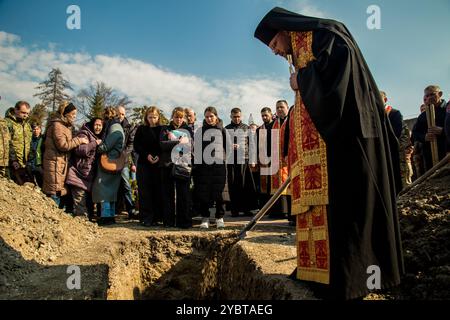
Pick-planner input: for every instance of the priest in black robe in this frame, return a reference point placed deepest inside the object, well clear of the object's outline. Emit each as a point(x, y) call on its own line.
point(342, 158)
point(241, 180)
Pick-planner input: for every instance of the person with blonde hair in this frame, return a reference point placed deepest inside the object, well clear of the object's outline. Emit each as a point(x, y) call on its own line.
point(146, 145)
point(175, 142)
point(106, 184)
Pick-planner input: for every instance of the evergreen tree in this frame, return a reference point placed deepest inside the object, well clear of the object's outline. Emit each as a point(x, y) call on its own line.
point(97, 105)
point(51, 91)
point(137, 115)
point(38, 114)
point(92, 100)
point(162, 119)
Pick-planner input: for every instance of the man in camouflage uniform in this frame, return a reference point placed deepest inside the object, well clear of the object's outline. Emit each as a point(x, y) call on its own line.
point(20, 142)
point(4, 148)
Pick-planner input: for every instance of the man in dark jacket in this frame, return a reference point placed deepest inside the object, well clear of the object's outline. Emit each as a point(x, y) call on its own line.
point(125, 192)
point(423, 134)
point(241, 184)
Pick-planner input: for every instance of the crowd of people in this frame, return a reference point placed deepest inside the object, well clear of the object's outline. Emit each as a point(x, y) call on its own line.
point(415, 143)
point(172, 185)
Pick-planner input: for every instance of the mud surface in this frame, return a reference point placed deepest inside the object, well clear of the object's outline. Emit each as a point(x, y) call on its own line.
point(425, 227)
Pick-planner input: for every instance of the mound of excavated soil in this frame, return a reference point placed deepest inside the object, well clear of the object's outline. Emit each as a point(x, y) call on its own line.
point(33, 230)
point(425, 228)
point(32, 224)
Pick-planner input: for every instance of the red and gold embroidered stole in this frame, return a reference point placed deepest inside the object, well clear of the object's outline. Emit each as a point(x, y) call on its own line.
point(277, 179)
point(262, 145)
point(280, 177)
point(309, 187)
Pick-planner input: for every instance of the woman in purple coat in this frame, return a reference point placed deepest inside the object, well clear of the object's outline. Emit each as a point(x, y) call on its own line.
point(81, 174)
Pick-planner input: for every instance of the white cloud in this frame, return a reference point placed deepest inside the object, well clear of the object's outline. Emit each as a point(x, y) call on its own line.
point(8, 38)
point(22, 68)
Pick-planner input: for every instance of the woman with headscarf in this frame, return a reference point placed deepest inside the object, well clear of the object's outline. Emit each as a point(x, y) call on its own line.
point(106, 183)
point(82, 167)
point(58, 144)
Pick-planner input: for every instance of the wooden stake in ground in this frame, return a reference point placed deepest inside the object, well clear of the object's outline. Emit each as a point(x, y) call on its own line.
point(431, 121)
point(427, 174)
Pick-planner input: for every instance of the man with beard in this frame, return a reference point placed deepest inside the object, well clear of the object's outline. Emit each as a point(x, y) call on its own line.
point(342, 157)
point(241, 184)
point(20, 141)
point(433, 96)
point(270, 184)
point(264, 143)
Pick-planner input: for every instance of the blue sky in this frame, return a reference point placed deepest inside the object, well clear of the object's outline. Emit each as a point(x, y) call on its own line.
point(202, 52)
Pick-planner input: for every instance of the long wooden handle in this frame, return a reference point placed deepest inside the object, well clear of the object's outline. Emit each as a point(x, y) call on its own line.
point(251, 225)
point(431, 122)
point(427, 174)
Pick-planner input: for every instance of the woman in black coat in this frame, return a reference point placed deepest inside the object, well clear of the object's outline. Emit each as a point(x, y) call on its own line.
point(146, 145)
point(176, 135)
point(210, 177)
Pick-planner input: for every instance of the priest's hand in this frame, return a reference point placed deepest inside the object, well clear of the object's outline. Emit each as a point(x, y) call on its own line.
point(293, 80)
